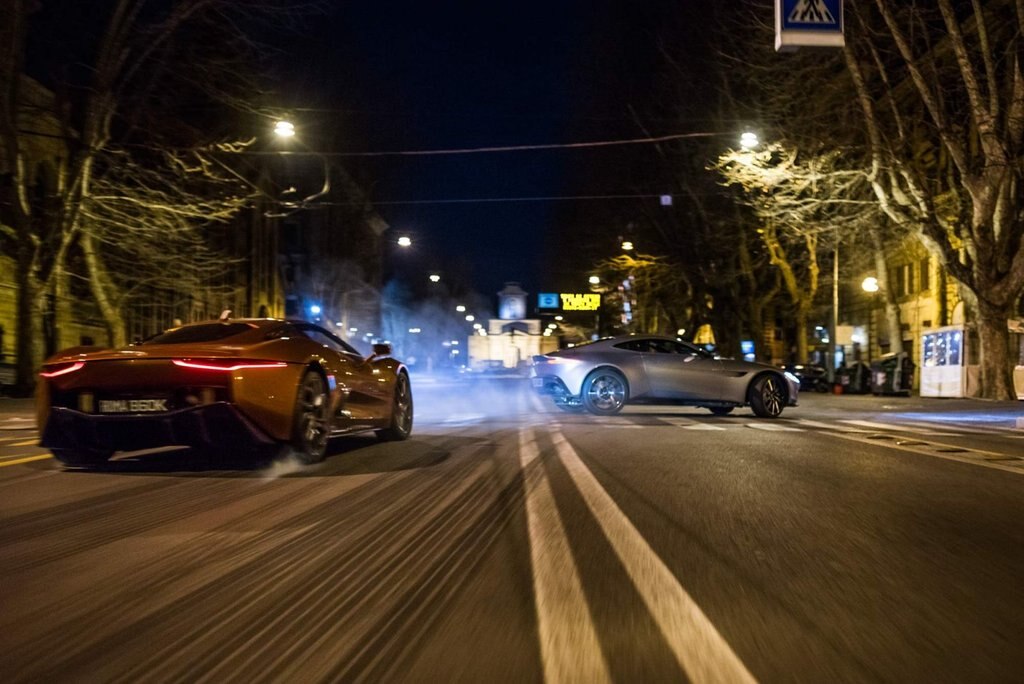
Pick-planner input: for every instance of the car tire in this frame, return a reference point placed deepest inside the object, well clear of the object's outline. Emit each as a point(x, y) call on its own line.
point(605, 392)
point(311, 421)
point(81, 457)
point(401, 412)
point(768, 396)
point(720, 410)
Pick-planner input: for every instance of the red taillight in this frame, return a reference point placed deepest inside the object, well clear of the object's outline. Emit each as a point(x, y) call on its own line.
point(226, 364)
point(62, 369)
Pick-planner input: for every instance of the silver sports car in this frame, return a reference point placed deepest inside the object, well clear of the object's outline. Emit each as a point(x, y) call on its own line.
point(603, 376)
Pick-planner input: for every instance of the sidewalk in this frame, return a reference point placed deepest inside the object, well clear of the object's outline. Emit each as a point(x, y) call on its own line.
point(982, 412)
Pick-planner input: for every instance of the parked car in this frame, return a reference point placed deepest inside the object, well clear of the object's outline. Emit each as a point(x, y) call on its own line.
point(605, 375)
point(228, 385)
point(812, 378)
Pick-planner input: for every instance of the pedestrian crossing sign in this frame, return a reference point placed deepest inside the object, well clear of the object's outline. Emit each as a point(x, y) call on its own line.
point(808, 23)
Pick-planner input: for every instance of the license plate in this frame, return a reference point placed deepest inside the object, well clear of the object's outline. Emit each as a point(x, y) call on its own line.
point(132, 405)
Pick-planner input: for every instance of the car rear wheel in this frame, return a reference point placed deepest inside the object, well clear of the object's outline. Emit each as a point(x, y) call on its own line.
point(720, 410)
point(605, 392)
point(81, 457)
point(311, 424)
point(401, 412)
point(768, 396)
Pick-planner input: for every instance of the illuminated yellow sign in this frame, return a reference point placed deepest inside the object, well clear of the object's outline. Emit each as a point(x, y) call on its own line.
point(580, 302)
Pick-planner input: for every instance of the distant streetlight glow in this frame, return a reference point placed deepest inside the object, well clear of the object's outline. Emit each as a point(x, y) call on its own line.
point(461, 308)
point(415, 331)
point(404, 241)
point(284, 129)
point(470, 317)
point(559, 317)
point(594, 280)
point(870, 284)
point(627, 246)
point(434, 278)
point(315, 309)
point(748, 140)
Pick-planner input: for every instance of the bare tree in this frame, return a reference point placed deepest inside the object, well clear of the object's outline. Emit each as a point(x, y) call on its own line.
point(953, 77)
point(139, 59)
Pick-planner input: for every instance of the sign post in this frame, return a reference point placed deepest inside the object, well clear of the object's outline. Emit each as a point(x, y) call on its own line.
point(808, 23)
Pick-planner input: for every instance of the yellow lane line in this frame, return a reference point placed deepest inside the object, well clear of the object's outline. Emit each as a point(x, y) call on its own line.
point(30, 442)
point(26, 459)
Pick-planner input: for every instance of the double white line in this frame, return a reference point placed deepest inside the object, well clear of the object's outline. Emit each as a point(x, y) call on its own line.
point(570, 648)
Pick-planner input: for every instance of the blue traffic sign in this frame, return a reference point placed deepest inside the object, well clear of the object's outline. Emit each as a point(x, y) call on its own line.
point(812, 23)
point(812, 15)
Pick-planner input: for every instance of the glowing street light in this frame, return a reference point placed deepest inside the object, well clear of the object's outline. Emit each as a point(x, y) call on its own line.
point(749, 141)
point(461, 308)
point(870, 284)
point(627, 246)
point(284, 129)
point(404, 241)
point(470, 317)
point(315, 309)
point(434, 278)
point(594, 280)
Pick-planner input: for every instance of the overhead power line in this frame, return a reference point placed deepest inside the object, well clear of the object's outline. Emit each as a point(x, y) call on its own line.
point(485, 150)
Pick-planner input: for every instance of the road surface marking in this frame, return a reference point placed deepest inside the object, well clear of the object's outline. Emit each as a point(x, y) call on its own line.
point(774, 427)
point(931, 451)
point(29, 442)
point(829, 426)
point(570, 649)
point(698, 647)
point(26, 459)
point(702, 426)
point(11, 439)
point(901, 428)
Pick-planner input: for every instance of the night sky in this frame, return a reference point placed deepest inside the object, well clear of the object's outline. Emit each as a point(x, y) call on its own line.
point(388, 76)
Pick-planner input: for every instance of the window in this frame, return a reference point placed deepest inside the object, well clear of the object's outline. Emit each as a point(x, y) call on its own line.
point(321, 336)
point(926, 282)
point(207, 332)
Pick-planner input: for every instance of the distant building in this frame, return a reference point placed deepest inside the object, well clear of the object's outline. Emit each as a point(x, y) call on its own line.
point(511, 339)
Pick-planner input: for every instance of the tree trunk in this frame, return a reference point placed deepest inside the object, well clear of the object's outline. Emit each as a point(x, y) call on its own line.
point(100, 286)
point(28, 352)
point(995, 359)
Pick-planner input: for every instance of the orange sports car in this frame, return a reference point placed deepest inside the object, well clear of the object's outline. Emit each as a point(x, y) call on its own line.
point(225, 385)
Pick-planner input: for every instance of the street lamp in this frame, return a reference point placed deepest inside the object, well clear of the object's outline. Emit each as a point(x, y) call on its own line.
point(594, 280)
point(749, 141)
point(627, 246)
point(871, 286)
point(404, 241)
point(435, 278)
point(284, 129)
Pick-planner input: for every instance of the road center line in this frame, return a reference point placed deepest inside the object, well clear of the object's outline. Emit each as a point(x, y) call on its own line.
point(698, 647)
point(26, 459)
point(570, 649)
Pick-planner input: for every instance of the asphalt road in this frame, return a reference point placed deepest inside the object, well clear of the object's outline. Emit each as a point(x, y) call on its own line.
point(855, 539)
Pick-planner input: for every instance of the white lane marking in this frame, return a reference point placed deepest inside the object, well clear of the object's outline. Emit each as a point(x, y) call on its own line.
point(626, 427)
point(461, 418)
point(570, 649)
point(901, 428)
point(773, 427)
point(929, 450)
point(698, 647)
point(688, 424)
point(829, 426)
